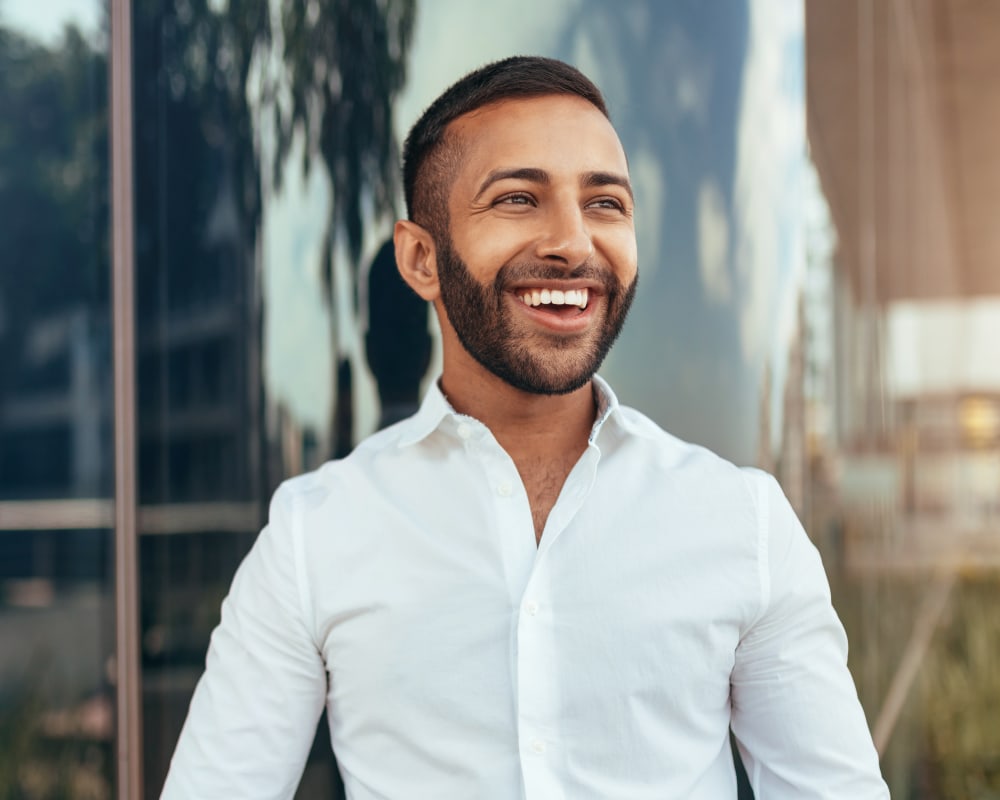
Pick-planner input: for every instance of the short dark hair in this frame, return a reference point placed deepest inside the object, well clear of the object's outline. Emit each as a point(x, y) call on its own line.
point(429, 160)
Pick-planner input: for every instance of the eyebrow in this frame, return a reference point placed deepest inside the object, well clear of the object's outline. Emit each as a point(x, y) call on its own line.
point(535, 175)
point(531, 174)
point(598, 179)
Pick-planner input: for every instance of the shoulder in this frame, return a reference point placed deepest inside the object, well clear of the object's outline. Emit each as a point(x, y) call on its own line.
point(367, 478)
point(646, 438)
point(671, 470)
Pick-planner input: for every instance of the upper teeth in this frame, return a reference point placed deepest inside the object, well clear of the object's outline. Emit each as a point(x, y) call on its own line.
point(555, 297)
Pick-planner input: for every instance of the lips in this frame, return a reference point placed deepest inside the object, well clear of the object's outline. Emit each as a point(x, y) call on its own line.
point(558, 301)
point(561, 318)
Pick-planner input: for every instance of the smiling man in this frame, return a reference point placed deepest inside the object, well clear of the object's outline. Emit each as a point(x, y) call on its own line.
point(527, 589)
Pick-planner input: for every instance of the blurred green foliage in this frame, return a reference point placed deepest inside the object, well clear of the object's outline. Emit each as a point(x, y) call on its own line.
point(946, 740)
point(960, 694)
point(43, 761)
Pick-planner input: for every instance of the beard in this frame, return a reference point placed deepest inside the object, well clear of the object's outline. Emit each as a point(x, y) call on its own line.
point(532, 361)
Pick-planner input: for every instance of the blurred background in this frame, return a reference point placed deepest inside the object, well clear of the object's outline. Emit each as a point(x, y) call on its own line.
point(818, 186)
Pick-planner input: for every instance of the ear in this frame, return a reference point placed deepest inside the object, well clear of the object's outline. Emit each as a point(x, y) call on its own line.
point(416, 258)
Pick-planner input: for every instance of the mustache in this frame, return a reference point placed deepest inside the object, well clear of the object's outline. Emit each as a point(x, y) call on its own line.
point(525, 272)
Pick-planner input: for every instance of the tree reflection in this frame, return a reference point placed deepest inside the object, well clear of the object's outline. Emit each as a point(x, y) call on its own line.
point(53, 240)
point(236, 86)
point(345, 63)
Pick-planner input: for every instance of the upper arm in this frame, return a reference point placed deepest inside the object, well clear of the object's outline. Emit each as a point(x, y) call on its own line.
point(796, 715)
point(254, 712)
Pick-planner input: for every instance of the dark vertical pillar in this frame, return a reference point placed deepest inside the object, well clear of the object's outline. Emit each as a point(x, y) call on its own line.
point(128, 730)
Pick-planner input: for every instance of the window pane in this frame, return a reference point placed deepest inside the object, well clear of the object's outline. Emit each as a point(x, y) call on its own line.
point(56, 463)
point(200, 466)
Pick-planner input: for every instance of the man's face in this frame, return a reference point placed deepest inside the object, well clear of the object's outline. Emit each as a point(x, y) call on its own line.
point(538, 267)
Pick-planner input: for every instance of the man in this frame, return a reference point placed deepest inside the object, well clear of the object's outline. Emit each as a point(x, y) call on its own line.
point(526, 589)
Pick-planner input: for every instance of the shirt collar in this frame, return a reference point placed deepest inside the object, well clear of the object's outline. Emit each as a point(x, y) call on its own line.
point(435, 409)
point(607, 405)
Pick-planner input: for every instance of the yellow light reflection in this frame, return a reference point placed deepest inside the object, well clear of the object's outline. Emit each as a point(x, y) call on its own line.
point(979, 419)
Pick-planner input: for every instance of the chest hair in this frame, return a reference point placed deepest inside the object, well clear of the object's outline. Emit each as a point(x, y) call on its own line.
point(543, 480)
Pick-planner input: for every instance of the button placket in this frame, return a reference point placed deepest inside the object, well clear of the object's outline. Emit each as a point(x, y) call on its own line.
point(538, 692)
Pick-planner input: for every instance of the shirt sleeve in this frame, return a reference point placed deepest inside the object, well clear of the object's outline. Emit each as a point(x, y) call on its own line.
point(796, 716)
point(254, 712)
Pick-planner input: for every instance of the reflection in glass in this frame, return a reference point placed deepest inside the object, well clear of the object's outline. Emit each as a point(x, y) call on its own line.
point(197, 332)
point(56, 666)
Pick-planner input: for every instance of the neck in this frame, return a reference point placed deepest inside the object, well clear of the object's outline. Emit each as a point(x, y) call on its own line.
point(526, 425)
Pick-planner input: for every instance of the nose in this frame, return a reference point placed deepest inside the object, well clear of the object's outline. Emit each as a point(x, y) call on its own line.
point(565, 237)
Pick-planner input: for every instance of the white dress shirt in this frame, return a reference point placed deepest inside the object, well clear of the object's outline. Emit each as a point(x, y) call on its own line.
point(671, 597)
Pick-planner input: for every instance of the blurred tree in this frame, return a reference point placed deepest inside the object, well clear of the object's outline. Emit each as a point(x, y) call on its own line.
point(53, 248)
point(198, 211)
point(53, 187)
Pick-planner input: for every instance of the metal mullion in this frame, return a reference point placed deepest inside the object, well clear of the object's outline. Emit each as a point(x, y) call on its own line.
point(128, 739)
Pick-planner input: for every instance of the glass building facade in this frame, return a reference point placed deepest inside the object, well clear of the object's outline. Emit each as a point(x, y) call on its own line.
point(196, 302)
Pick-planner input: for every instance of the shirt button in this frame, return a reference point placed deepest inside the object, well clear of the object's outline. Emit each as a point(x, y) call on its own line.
point(504, 489)
point(531, 608)
point(464, 430)
point(538, 747)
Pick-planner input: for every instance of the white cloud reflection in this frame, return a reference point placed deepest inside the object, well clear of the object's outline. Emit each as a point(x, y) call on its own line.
point(45, 21)
point(298, 359)
point(713, 242)
point(771, 159)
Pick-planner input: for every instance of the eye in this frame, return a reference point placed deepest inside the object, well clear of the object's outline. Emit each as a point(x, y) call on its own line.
point(611, 203)
point(515, 199)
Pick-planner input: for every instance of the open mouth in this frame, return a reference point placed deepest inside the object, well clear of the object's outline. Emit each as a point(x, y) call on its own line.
point(564, 303)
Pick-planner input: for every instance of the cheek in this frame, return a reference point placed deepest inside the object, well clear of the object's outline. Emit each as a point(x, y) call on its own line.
point(485, 253)
point(623, 256)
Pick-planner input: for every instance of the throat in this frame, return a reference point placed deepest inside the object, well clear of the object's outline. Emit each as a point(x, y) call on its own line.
point(544, 474)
